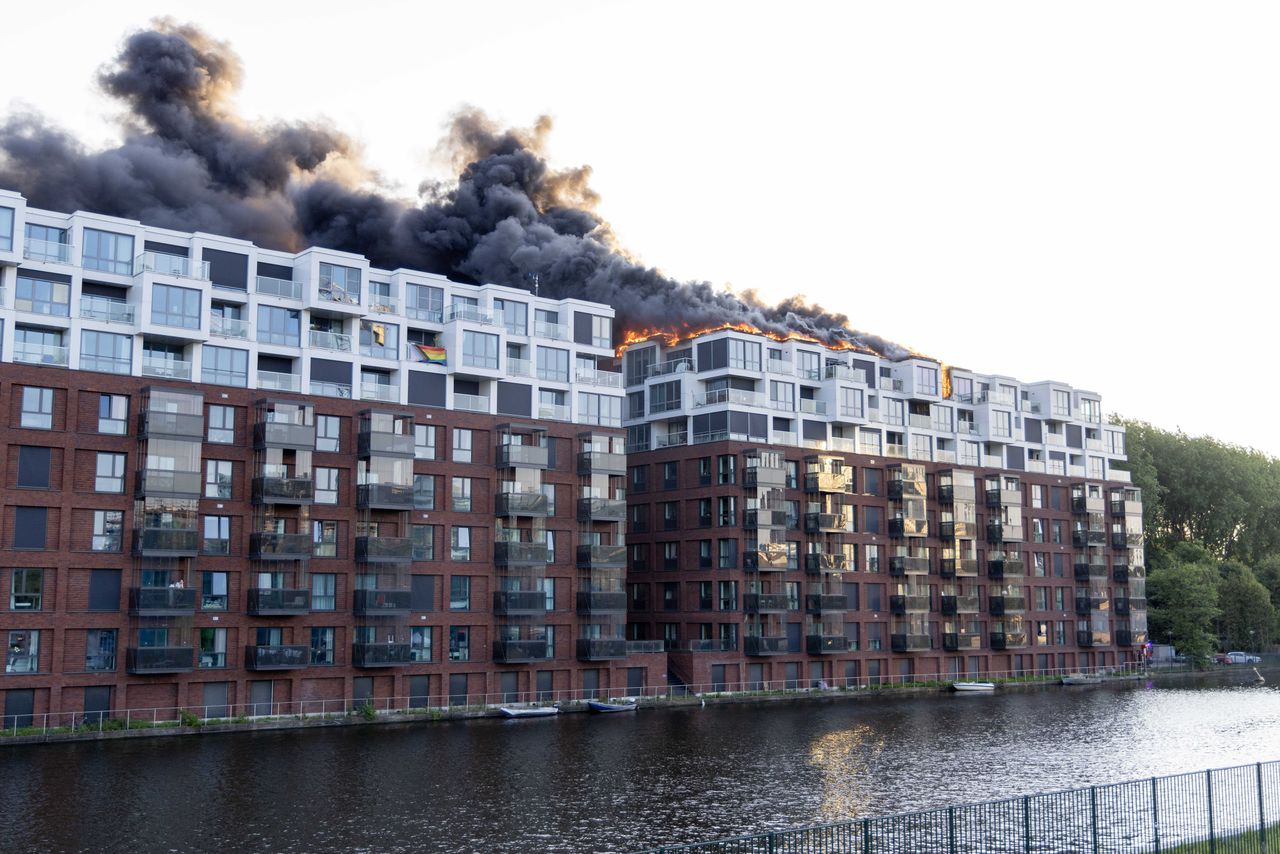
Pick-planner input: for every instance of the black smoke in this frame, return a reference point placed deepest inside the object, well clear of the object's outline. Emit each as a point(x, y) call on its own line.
point(189, 162)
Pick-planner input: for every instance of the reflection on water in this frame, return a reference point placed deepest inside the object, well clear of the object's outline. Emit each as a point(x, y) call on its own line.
point(616, 782)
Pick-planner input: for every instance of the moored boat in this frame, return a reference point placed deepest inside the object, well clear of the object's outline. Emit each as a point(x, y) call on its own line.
point(1082, 679)
point(615, 705)
point(529, 711)
point(972, 687)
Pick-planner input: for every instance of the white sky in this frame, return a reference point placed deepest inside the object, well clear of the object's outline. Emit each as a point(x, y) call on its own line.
point(1087, 192)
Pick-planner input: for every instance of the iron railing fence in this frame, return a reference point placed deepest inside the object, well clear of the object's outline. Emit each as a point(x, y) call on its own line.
point(1218, 811)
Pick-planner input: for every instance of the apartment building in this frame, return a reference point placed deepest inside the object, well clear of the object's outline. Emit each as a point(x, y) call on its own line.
point(236, 475)
point(801, 514)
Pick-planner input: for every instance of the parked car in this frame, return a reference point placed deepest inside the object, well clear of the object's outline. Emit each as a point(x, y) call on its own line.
point(1221, 658)
point(1243, 658)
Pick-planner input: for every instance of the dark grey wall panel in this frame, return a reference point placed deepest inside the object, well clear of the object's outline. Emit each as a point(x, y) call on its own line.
point(275, 271)
point(1034, 429)
point(228, 269)
point(331, 371)
point(426, 389)
point(167, 248)
point(515, 399)
point(1075, 436)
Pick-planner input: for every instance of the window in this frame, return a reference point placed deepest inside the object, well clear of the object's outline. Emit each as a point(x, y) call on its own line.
point(550, 538)
point(213, 648)
point(174, 306)
point(39, 296)
point(25, 589)
point(23, 654)
point(324, 587)
point(600, 409)
point(459, 593)
point(281, 326)
point(461, 495)
point(106, 352)
point(340, 284)
point(744, 355)
point(1001, 424)
point(225, 366)
point(459, 643)
point(33, 467)
point(459, 543)
point(1037, 496)
point(424, 492)
point(728, 554)
point(213, 591)
point(926, 380)
point(110, 473)
point(222, 424)
point(424, 541)
point(380, 340)
point(217, 535)
point(726, 467)
point(326, 485)
point(553, 364)
point(30, 527)
point(113, 414)
point(322, 645)
point(325, 537)
point(108, 527)
point(6, 232)
point(217, 479)
point(781, 395)
point(100, 650)
point(1091, 410)
point(461, 445)
point(328, 432)
point(109, 252)
point(601, 331)
point(421, 640)
point(37, 408)
point(480, 350)
point(424, 303)
point(513, 315)
point(424, 442)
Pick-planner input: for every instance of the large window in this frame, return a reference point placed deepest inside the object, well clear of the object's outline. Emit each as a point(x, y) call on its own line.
point(282, 326)
point(6, 229)
point(480, 350)
point(26, 590)
point(174, 306)
point(100, 650)
point(222, 424)
point(326, 485)
point(213, 591)
point(461, 445)
point(380, 340)
point(23, 655)
point(113, 414)
point(424, 541)
point(424, 492)
point(213, 648)
point(461, 495)
point(217, 535)
point(37, 408)
point(217, 479)
point(553, 364)
point(744, 355)
point(324, 587)
point(39, 296)
point(424, 442)
point(423, 302)
point(109, 252)
point(459, 543)
point(328, 432)
point(108, 528)
point(110, 473)
point(599, 409)
point(459, 593)
point(601, 331)
point(325, 538)
point(322, 645)
point(926, 380)
point(225, 366)
point(459, 643)
point(106, 352)
point(513, 315)
point(340, 284)
point(46, 243)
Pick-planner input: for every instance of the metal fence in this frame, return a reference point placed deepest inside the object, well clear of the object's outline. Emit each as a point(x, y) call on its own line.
point(1219, 811)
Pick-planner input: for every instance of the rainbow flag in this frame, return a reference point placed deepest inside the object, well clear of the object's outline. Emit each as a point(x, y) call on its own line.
point(432, 355)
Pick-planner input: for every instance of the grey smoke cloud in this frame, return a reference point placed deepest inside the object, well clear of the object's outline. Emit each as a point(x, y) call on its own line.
point(188, 161)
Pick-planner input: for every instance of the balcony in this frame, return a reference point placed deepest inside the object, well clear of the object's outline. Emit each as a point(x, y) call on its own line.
point(516, 554)
point(381, 603)
point(765, 559)
point(273, 546)
point(820, 603)
point(601, 462)
point(107, 310)
point(999, 568)
point(169, 369)
point(512, 651)
point(731, 396)
point(600, 602)
point(1086, 570)
point(384, 496)
point(1008, 640)
point(912, 604)
point(909, 643)
point(753, 519)
point(334, 341)
point(1004, 497)
point(998, 606)
point(380, 654)
point(384, 549)
point(826, 523)
point(162, 601)
point(1121, 607)
point(1120, 572)
point(817, 562)
point(1084, 638)
point(964, 567)
point(1124, 637)
point(1082, 539)
point(278, 602)
point(946, 493)
point(995, 533)
point(158, 483)
point(591, 557)
point(283, 490)
point(376, 442)
point(765, 603)
point(171, 265)
point(160, 659)
point(280, 434)
point(754, 645)
point(276, 657)
point(955, 641)
point(599, 649)
point(46, 251)
point(221, 326)
point(826, 481)
point(323, 389)
point(471, 402)
point(383, 304)
point(173, 425)
point(908, 565)
point(283, 288)
point(40, 354)
point(516, 603)
point(524, 456)
point(756, 476)
point(278, 381)
point(601, 510)
point(817, 644)
point(899, 528)
point(520, 504)
point(166, 542)
point(952, 605)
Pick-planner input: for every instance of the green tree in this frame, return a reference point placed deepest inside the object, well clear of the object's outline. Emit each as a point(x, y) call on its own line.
point(1182, 588)
point(1267, 571)
point(1248, 619)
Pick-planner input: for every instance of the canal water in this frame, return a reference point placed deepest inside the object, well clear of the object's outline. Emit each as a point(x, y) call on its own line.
point(619, 782)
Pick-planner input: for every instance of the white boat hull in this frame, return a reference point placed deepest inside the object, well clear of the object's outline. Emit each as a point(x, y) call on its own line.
point(530, 712)
point(973, 687)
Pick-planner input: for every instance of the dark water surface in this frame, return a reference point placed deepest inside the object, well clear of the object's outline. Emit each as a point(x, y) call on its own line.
point(618, 782)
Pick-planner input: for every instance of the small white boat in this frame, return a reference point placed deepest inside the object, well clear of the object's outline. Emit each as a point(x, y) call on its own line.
point(529, 711)
point(971, 687)
point(1082, 679)
point(615, 705)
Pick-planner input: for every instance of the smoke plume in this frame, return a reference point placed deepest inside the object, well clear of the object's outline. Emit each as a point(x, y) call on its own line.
point(189, 162)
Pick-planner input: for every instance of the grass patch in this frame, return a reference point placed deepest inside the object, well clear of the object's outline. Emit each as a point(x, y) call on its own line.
point(1248, 842)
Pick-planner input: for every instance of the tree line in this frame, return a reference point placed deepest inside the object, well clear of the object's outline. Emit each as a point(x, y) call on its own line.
point(1211, 517)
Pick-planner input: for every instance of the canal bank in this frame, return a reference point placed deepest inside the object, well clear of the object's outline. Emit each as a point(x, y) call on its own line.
point(157, 723)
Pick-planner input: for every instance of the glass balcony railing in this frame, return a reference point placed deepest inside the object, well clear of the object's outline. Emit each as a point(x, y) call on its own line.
point(228, 327)
point(106, 310)
point(172, 369)
point(276, 381)
point(283, 288)
point(47, 251)
point(276, 657)
point(40, 354)
point(171, 265)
